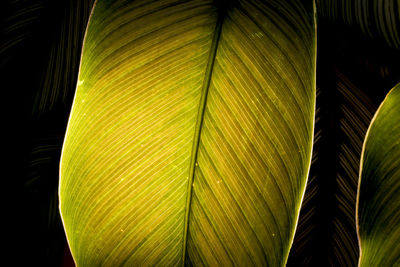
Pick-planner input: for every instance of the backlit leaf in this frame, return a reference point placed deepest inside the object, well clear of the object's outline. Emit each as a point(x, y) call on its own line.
point(378, 210)
point(190, 136)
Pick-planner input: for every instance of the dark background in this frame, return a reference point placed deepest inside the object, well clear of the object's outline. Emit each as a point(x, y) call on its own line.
point(40, 49)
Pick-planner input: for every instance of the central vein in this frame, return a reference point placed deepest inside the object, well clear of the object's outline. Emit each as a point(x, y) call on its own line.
point(199, 124)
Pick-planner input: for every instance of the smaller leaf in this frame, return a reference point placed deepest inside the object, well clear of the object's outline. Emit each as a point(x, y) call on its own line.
point(378, 203)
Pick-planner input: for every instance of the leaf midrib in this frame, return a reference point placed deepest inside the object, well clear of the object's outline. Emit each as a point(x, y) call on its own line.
point(199, 124)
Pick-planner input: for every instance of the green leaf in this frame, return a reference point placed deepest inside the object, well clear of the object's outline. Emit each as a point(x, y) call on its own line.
point(190, 135)
point(378, 209)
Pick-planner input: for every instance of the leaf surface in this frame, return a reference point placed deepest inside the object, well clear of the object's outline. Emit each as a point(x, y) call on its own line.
point(190, 136)
point(378, 210)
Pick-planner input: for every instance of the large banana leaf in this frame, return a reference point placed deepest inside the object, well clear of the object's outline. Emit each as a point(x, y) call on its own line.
point(378, 213)
point(190, 136)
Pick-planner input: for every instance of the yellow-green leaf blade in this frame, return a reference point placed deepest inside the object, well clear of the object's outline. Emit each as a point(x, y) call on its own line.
point(256, 139)
point(378, 209)
point(130, 154)
point(126, 156)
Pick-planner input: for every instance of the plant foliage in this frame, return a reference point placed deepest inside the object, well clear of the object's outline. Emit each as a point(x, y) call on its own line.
point(190, 135)
point(220, 93)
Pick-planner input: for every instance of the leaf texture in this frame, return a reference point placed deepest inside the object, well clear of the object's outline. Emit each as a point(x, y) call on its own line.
point(189, 141)
point(378, 212)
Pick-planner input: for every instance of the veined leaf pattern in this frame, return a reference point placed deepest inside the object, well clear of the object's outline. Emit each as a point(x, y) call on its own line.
point(190, 136)
point(378, 213)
